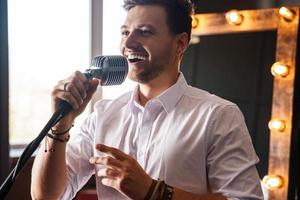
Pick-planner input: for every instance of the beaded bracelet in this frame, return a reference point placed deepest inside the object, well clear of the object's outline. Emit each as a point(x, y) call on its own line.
point(161, 191)
point(156, 192)
point(57, 136)
point(54, 132)
point(168, 192)
point(151, 189)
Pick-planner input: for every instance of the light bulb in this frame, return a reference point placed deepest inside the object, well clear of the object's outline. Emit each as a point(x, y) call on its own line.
point(194, 39)
point(280, 70)
point(286, 13)
point(195, 22)
point(234, 18)
point(272, 182)
point(277, 125)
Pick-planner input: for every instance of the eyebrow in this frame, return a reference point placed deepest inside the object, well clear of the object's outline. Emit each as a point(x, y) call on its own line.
point(139, 26)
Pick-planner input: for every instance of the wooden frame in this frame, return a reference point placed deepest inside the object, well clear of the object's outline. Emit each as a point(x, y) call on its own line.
point(283, 88)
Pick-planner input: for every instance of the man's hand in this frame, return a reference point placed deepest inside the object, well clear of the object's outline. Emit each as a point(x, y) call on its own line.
point(122, 172)
point(77, 90)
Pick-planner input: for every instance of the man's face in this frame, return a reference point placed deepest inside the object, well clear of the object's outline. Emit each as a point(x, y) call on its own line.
point(147, 43)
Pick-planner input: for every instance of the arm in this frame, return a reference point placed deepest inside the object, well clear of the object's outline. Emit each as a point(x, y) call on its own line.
point(76, 90)
point(231, 158)
point(46, 165)
point(124, 174)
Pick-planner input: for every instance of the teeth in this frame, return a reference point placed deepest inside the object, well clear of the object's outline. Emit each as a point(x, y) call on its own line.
point(131, 56)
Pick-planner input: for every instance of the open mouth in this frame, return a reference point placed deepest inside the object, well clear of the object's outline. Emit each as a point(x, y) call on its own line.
point(136, 58)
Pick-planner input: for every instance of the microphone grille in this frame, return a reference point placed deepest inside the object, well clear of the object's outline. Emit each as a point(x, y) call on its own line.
point(115, 69)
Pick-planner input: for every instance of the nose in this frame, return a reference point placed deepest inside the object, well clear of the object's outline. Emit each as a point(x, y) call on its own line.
point(131, 41)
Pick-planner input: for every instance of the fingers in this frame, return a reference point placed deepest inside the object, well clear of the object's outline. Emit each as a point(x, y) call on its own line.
point(107, 161)
point(92, 87)
point(110, 182)
point(76, 90)
point(81, 87)
point(108, 173)
point(121, 172)
point(112, 171)
point(115, 153)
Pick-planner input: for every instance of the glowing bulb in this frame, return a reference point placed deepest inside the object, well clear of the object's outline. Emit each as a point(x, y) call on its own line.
point(272, 182)
point(194, 40)
point(195, 22)
point(280, 69)
point(286, 13)
point(234, 18)
point(277, 125)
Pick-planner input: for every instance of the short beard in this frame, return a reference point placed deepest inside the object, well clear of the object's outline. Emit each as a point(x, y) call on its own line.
point(147, 75)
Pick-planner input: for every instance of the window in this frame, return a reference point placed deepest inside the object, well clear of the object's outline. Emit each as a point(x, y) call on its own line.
point(48, 40)
point(113, 17)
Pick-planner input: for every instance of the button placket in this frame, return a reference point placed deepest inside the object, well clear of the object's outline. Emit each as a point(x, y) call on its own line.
point(144, 135)
point(146, 119)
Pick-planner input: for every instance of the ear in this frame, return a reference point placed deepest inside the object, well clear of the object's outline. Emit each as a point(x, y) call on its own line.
point(182, 42)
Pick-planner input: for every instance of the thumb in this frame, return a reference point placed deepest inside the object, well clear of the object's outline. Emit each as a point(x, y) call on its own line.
point(93, 86)
point(95, 83)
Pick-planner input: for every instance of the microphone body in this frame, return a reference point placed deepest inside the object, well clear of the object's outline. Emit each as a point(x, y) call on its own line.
point(112, 70)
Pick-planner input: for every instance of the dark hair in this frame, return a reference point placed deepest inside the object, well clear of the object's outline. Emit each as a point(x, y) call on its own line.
point(178, 12)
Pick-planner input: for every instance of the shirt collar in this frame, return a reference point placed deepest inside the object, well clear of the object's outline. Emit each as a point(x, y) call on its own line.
point(168, 99)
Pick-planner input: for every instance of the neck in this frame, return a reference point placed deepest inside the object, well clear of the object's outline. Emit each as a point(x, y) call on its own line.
point(156, 86)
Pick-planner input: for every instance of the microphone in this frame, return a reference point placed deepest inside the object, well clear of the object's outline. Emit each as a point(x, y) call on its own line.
point(112, 70)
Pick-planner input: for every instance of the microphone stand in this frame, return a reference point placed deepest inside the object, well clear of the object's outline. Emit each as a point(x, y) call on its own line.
point(63, 109)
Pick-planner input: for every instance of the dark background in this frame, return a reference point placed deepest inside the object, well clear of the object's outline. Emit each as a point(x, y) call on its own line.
point(212, 6)
point(237, 67)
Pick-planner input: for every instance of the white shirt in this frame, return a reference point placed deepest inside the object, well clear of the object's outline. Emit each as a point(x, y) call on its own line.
point(187, 137)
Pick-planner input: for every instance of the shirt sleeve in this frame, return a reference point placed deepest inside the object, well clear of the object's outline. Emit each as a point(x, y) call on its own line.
point(79, 151)
point(231, 158)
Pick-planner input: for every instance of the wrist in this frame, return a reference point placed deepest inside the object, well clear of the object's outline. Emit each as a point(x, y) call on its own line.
point(150, 189)
point(62, 128)
point(60, 134)
point(159, 190)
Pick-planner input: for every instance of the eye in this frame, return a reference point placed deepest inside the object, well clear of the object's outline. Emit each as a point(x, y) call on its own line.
point(124, 33)
point(145, 32)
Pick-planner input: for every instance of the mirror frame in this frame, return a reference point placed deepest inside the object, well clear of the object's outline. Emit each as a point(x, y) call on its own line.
point(283, 87)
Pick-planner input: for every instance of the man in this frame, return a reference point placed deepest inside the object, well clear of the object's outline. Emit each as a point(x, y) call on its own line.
point(195, 142)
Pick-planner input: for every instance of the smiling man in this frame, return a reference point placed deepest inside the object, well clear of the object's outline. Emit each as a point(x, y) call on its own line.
point(164, 140)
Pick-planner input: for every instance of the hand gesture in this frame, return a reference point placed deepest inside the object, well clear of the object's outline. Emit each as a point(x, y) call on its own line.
point(122, 172)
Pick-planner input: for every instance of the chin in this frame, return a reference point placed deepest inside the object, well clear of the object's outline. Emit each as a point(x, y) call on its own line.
point(132, 75)
point(142, 77)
